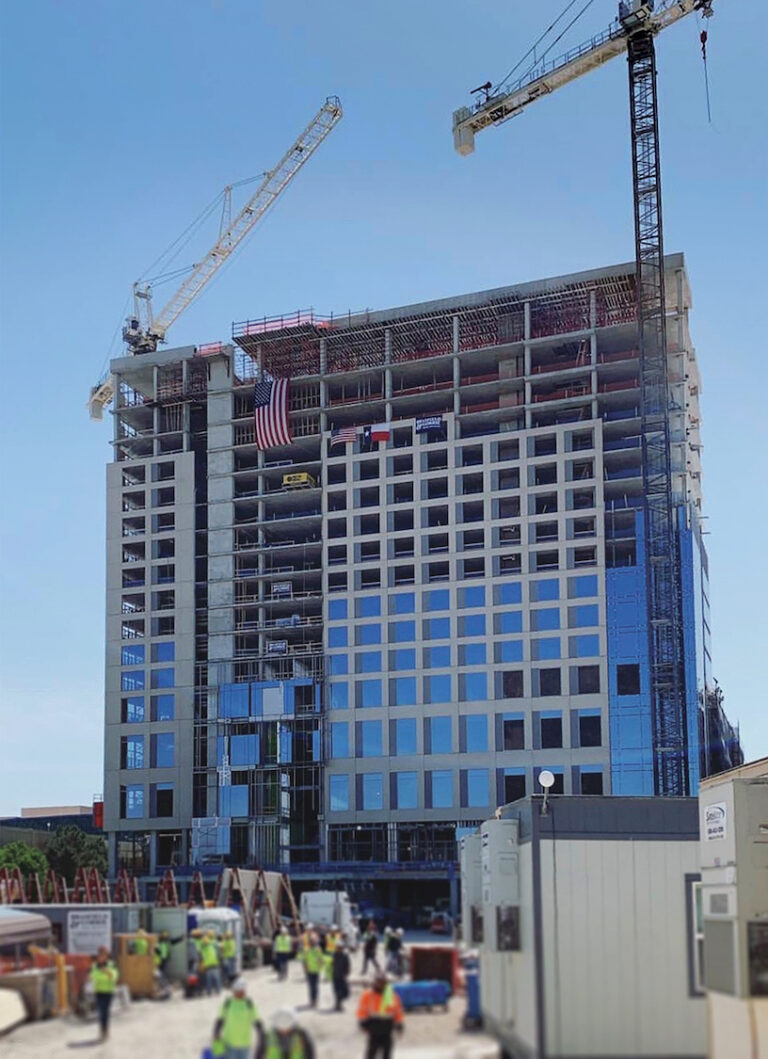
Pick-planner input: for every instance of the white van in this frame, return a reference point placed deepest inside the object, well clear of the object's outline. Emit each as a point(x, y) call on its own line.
point(323, 908)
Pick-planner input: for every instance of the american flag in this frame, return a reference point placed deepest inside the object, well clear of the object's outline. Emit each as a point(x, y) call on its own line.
point(344, 435)
point(270, 413)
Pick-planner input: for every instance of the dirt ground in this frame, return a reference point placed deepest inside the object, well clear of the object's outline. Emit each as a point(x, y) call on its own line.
point(180, 1029)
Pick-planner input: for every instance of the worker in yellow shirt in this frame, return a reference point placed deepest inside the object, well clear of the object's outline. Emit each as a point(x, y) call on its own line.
point(313, 961)
point(140, 944)
point(228, 950)
point(285, 1039)
point(282, 948)
point(210, 964)
point(104, 979)
point(233, 1032)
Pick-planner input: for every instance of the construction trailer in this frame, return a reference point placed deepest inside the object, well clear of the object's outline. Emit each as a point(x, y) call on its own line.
point(80, 929)
point(581, 910)
point(731, 910)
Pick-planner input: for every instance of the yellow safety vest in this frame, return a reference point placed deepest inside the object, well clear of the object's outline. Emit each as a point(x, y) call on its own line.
point(104, 978)
point(313, 960)
point(283, 943)
point(228, 948)
point(209, 955)
point(331, 942)
point(140, 946)
point(238, 1017)
point(274, 1050)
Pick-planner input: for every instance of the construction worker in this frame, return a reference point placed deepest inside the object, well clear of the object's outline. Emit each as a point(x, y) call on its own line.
point(312, 959)
point(370, 945)
point(234, 1028)
point(285, 1039)
point(380, 1015)
point(307, 935)
point(140, 944)
point(228, 950)
point(104, 979)
point(332, 939)
point(282, 948)
point(340, 968)
point(210, 964)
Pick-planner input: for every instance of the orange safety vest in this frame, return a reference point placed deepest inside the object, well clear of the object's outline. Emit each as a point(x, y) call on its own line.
point(384, 1005)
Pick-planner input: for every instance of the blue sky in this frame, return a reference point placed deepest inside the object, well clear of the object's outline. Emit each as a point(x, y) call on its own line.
point(120, 121)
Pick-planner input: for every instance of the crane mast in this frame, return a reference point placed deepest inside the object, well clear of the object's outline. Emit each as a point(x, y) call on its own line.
point(638, 23)
point(144, 330)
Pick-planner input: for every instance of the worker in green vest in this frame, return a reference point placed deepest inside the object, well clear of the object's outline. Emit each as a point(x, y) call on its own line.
point(312, 958)
point(210, 964)
point(285, 1039)
point(228, 950)
point(282, 947)
point(235, 1026)
point(103, 979)
point(140, 943)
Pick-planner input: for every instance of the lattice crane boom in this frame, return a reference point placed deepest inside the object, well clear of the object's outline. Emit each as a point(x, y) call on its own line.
point(144, 330)
point(506, 100)
point(638, 23)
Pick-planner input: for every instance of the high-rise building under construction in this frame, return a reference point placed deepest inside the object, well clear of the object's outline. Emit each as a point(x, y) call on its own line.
point(344, 629)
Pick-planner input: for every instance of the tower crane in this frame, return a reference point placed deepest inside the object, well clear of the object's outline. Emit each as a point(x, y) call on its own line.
point(634, 32)
point(143, 330)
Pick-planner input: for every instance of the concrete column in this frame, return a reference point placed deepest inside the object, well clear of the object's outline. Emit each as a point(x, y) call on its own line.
point(527, 361)
point(323, 391)
point(112, 865)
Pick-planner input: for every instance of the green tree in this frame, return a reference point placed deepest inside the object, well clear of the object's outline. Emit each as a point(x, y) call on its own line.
point(70, 848)
point(26, 858)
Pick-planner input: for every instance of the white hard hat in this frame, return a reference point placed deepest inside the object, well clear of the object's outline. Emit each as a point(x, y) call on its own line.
point(284, 1019)
point(240, 985)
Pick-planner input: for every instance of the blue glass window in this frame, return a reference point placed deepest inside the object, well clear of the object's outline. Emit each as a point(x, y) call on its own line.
point(510, 621)
point(368, 693)
point(339, 696)
point(163, 678)
point(337, 636)
point(475, 733)
point(584, 646)
point(134, 801)
point(549, 588)
point(368, 634)
point(437, 688)
point(368, 662)
point(437, 629)
point(402, 691)
point(402, 631)
point(407, 790)
point(233, 801)
point(134, 752)
point(474, 687)
point(164, 707)
point(164, 750)
point(339, 789)
point(373, 790)
point(405, 736)
point(339, 739)
point(338, 665)
point(477, 787)
point(546, 618)
point(244, 750)
point(437, 657)
point(132, 655)
point(402, 603)
point(233, 700)
point(370, 739)
point(132, 681)
point(337, 609)
point(546, 647)
point(133, 709)
point(474, 596)
point(368, 607)
point(584, 615)
point(510, 651)
point(438, 599)
point(403, 658)
point(164, 652)
point(473, 625)
point(510, 592)
point(585, 585)
point(440, 735)
point(442, 789)
point(474, 654)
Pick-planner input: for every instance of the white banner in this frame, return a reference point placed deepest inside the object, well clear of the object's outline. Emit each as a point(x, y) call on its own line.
point(88, 930)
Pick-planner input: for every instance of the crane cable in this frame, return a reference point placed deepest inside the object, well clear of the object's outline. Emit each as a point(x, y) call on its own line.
point(499, 87)
point(703, 37)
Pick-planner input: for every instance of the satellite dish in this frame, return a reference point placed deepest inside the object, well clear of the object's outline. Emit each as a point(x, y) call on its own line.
point(546, 779)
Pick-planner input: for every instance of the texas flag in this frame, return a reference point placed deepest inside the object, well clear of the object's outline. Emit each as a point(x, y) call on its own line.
point(377, 432)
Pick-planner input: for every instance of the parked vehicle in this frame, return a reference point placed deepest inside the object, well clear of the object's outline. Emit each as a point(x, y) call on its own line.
point(323, 908)
point(441, 923)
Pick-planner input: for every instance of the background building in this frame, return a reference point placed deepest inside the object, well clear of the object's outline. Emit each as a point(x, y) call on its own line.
point(343, 651)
